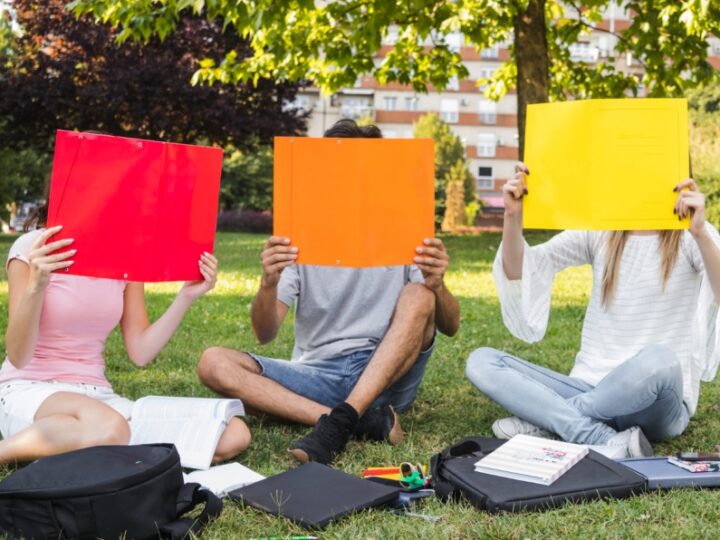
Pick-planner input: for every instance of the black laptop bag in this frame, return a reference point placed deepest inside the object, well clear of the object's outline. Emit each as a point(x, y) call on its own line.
point(593, 477)
point(109, 492)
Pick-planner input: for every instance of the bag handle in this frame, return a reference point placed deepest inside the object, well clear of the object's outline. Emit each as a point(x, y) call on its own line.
point(444, 489)
point(189, 496)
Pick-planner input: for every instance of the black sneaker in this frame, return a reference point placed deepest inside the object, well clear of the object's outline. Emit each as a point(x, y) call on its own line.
point(380, 424)
point(327, 439)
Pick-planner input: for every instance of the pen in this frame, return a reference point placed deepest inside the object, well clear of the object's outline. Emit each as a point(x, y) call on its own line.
point(285, 538)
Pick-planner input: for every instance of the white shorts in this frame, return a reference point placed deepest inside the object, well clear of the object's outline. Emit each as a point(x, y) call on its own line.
point(20, 400)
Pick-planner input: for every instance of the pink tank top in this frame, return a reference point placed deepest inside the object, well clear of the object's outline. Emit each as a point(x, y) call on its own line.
point(78, 314)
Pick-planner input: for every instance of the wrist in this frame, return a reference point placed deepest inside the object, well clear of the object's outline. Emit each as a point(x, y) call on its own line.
point(268, 284)
point(701, 235)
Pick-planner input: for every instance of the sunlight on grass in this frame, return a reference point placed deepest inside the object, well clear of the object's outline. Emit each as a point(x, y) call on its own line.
point(448, 407)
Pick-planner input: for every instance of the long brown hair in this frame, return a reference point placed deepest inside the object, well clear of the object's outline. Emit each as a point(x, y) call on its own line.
point(669, 247)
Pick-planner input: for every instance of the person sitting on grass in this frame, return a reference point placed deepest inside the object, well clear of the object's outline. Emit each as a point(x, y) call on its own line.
point(362, 340)
point(54, 396)
point(647, 340)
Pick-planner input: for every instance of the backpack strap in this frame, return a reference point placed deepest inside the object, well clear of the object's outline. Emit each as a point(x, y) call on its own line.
point(444, 489)
point(190, 496)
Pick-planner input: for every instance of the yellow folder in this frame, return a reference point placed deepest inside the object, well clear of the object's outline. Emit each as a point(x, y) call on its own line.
point(605, 164)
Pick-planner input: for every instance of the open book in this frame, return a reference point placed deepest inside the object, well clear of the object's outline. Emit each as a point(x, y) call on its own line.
point(532, 459)
point(222, 479)
point(193, 425)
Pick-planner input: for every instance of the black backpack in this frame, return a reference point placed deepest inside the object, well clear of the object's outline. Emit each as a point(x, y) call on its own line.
point(134, 492)
point(593, 477)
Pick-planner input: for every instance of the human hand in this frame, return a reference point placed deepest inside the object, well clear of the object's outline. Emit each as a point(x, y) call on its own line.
point(208, 265)
point(433, 261)
point(515, 189)
point(276, 255)
point(42, 260)
point(691, 202)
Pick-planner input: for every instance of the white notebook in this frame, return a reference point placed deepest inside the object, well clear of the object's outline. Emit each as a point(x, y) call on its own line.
point(223, 479)
point(532, 459)
point(193, 425)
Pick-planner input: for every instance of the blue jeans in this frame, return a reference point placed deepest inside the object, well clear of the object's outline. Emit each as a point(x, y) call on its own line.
point(330, 381)
point(646, 391)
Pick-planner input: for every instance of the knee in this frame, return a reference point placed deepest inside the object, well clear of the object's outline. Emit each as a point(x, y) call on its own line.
point(235, 440)
point(417, 298)
point(480, 366)
point(113, 429)
point(657, 358)
point(210, 365)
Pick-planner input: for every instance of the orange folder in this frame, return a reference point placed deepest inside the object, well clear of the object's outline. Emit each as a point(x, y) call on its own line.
point(354, 202)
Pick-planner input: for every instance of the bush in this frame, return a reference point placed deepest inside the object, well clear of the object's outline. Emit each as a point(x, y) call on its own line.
point(245, 221)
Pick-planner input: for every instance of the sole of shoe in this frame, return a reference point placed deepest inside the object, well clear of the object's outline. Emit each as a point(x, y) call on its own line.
point(396, 434)
point(498, 432)
point(301, 455)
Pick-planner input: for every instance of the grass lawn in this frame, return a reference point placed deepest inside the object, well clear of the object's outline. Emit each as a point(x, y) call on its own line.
point(448, 406)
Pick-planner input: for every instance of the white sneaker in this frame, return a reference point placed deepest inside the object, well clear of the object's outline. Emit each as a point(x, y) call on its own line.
point(629, 443)
point(507, 428)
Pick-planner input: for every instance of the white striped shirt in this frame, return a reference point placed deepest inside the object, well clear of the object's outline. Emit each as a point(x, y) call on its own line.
point(682, 315)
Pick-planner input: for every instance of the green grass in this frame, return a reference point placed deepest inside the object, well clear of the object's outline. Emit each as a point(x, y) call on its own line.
point(447, 409)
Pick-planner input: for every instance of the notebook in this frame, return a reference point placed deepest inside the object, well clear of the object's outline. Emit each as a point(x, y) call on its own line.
point(661, 474)
point(222, 479)
point(313, 495)
point(532, 459)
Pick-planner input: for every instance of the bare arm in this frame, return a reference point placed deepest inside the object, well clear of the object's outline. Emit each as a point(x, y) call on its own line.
point(144, 340)
point(26, 287)
point(433, 262)
point(267, 312)
point(691, 202)
point(513, 245)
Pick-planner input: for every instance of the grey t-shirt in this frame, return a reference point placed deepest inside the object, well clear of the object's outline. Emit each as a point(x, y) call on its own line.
point(341, 310)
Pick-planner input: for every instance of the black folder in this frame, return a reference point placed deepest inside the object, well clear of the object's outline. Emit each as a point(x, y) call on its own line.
point(313, 495)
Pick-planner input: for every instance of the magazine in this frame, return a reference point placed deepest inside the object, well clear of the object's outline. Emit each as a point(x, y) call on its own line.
point(532, 459)
point(193, 425)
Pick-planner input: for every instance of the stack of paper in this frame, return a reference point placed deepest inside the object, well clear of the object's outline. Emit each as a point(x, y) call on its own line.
point(222, 479)
point(532, 459)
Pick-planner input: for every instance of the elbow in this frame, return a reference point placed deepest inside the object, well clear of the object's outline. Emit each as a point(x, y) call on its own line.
point(452, 329)
point(18, 360)
point(138, 358)
point(263, 336)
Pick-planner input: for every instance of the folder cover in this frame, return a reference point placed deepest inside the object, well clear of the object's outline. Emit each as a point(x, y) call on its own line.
point(138, 210)
point(354, 202)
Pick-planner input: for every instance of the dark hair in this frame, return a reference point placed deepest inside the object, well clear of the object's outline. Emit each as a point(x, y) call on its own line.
point(347, 128)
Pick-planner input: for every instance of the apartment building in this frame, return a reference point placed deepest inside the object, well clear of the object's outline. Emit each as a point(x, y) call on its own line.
point(488, 129)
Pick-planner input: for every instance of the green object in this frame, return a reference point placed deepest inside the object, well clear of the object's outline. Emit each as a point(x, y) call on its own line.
point(412, 476)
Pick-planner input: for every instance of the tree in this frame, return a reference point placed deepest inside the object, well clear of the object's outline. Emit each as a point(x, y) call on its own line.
point(70, 73)
point(455, 203)
point(449, 153)
point(705, 145)
point(247, 179)
point(332, 43)
point(24, 175)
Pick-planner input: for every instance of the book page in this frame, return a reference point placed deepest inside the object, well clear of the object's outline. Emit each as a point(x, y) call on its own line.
point(194, 438)
point(163, 407)
point(222, 479)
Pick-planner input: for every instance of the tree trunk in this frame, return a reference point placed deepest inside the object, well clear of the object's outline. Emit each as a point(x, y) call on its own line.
point(532, 58)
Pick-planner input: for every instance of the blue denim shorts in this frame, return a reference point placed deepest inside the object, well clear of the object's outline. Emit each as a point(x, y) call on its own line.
point(330, 381)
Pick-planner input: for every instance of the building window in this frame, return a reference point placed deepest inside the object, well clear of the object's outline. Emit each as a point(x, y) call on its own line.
point(486, 144)
point(411, 103)
point(408, 134)
point(389, 134)
point(356, 106)
point(449, 110)
point(584, 52)
point(488, 112)
point(454, 41)
point(492, 53)
point(392, 35)
point(390, 103)
point(485, 179)
point(300, 102)
point(453, 84)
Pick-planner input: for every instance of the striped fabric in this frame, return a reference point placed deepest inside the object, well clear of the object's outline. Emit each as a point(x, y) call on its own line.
point(681, 315)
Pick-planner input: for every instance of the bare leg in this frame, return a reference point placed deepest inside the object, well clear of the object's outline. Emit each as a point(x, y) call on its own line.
point(234, 440)
point(411, 329)
point(237, 374)
point(64, 422)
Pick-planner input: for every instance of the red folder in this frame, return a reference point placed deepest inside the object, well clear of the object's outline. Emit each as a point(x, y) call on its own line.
point(138, 210)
